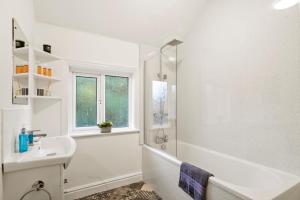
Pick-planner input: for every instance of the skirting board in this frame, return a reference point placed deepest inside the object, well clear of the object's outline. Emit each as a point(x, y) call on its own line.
point(108, 184)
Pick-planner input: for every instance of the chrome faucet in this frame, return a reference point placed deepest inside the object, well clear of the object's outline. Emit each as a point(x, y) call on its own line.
point(32, 135)
point(32, 131)
point(40, 135)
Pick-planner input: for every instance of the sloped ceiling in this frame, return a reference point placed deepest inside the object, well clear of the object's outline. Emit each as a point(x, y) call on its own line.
point(141, 21)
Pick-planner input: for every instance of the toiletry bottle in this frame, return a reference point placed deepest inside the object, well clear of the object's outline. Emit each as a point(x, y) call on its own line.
point(23, 141)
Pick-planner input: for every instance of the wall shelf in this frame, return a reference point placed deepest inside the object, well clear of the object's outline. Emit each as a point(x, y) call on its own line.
point(22, 53)
point(38, 97)
point(20, 76)
point(43, 77)
point(21, 97)
point(44, 57)
point(39, 55)
point(36, 76)
point(46, 97)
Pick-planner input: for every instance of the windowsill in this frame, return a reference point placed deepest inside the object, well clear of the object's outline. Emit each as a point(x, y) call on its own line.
point(94, 133)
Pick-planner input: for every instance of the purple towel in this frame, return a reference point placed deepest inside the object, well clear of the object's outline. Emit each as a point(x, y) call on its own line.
point(194, 181)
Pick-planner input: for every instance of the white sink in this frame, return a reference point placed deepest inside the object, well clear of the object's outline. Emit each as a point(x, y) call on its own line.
point(49, 151)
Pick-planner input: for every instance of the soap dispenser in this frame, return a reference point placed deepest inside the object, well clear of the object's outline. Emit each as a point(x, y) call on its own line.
point(23, 141)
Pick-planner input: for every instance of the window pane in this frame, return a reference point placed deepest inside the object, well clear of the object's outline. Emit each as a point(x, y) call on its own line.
point(116, 100)
point(86, 101)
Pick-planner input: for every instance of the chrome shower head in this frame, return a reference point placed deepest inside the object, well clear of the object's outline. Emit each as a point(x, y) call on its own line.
point(174, 42)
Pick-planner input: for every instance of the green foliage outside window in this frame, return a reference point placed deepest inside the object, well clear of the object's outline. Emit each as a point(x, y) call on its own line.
point(116, 100)
point(86, 101)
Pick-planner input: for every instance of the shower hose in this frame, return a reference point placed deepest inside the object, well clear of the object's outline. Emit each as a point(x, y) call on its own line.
point(37, 186)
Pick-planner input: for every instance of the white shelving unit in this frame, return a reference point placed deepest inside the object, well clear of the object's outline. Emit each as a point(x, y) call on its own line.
point(22, 53)
point(34, 57)
point(38, 97)
point(39, 56)
point(21, 76)
point(22, 96)
point(44, 57)
point(45, 97)
point(42, 77)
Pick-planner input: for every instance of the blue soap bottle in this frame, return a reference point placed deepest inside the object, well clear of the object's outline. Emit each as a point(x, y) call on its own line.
point(23, 141)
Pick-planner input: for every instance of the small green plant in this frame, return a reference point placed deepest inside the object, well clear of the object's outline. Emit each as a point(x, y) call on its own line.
point(105, 124)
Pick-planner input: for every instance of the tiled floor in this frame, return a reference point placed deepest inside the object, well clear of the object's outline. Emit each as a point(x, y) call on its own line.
point(130, 192)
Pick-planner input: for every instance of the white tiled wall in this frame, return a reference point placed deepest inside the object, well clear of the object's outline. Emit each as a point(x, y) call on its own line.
point(13, 120)
point(239, 84)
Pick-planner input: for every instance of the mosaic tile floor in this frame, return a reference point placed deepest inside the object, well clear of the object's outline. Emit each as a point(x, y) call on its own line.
point(130, 192)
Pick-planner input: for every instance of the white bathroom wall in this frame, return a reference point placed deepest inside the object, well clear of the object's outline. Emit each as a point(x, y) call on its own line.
point(23, 12)
point(98, 159)
point(14, 119)
point(82, 46)
point(103, 157)
point(239, 82)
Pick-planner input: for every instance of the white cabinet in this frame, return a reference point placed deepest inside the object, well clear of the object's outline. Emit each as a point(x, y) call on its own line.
point(19, 182)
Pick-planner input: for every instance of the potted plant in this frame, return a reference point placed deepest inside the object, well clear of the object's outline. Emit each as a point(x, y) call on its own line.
point(105, 126)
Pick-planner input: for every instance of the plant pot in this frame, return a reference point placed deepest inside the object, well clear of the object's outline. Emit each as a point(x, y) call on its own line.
point(105, 130)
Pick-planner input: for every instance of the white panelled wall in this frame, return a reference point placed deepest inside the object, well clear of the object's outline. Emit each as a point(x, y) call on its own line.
point(239, 82)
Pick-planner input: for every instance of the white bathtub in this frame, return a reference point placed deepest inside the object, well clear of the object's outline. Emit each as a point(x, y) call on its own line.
point(235, 179)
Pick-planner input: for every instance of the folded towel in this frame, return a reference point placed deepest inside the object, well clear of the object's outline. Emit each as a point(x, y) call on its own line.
point(194, 181)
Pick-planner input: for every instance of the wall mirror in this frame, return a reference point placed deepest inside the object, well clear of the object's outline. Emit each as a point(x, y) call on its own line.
point(20, 79)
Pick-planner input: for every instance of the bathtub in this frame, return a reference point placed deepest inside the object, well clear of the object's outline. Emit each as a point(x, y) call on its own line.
point(235, 179)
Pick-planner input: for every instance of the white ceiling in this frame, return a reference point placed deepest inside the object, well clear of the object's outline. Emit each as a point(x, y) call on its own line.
point(141, 21)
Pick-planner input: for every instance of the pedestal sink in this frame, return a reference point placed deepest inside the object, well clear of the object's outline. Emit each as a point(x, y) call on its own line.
point(48, 151)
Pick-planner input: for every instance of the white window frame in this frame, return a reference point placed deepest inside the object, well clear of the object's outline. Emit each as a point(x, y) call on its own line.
point(101, 100)
point(98, 77)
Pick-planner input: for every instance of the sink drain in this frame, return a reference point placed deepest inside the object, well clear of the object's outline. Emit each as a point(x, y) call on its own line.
point(51, 154)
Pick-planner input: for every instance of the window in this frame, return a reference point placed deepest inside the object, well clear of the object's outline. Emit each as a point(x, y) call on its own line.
point(101, 98)
point(116, 100)
point(86, 101)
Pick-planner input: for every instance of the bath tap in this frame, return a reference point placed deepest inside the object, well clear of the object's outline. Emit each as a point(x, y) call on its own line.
point(161, 139)
point(166, 138)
